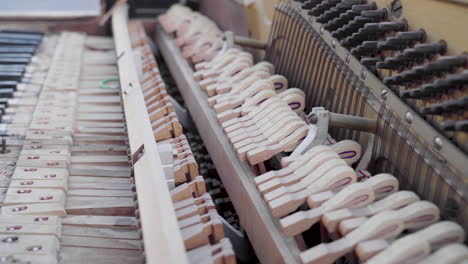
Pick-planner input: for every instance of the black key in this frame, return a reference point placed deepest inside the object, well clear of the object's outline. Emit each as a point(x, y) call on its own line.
point(29, 32)
point(6, 93)
point(20, 36)
point(4, 102)
point(15, 60)
point(12, 76)
point(12, 42)
point(8, 84)
point(17, 49)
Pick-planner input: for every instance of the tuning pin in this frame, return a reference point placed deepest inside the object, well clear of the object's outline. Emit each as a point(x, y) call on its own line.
point(443, 65)
point(455, 125)
point(441, 86)
point(402, 40)
point(310, 4)
point(391, 63)
point(370, 62)
point(372, 31)
point(428, 70)
point(369, 16)
point(414, 55)
point(340, 8)
point(348, 16)
point(449, 106)
point(365, 49)
point(425, 51)
point(324, 6)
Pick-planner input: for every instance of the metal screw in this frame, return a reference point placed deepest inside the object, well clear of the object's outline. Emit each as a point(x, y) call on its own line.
point(35, 248)
point(363, 74)
point(438, 143)
point(384, 94)
point(10, 239)
point(334, 43)
point(396, 8)
point(348, 58)
point(322, 29)
point(409, 117)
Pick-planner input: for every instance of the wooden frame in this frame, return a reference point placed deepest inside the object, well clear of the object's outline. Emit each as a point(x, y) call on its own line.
point(161, 235)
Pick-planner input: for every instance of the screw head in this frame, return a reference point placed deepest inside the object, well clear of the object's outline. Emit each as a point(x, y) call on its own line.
point(322, 29)
point(348, 58)
point(438, 143)
point(363, 74)
point(334, 42)
point(384, 94)
point(409, 117)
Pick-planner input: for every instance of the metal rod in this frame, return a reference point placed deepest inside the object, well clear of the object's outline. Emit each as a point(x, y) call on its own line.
point(350, 122)
point(248, 42)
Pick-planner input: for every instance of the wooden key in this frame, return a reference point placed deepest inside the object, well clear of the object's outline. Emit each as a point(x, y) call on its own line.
point(393, 201)
point(169, 128)
point(29, 244)
point(185, 170)
point(31, 219)
point(194, 188)
point(198, 218)
point(26, 258)
point(98, 242)
point(42, 184)
point(221, 252)
point(34, 209)
point(415, 216)
point(100, 221)
point(193, 210)
point(353, 196)
point(36, 228)
point(155, 94)
point(450, 254)
point(93, 205)
point(437, 235)
point(31, 196)
point(199, 234)
point(386, 224)
point(192, 201)
point(161, 112)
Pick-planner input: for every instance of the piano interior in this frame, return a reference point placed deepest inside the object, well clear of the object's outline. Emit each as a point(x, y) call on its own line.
point(228, 131)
